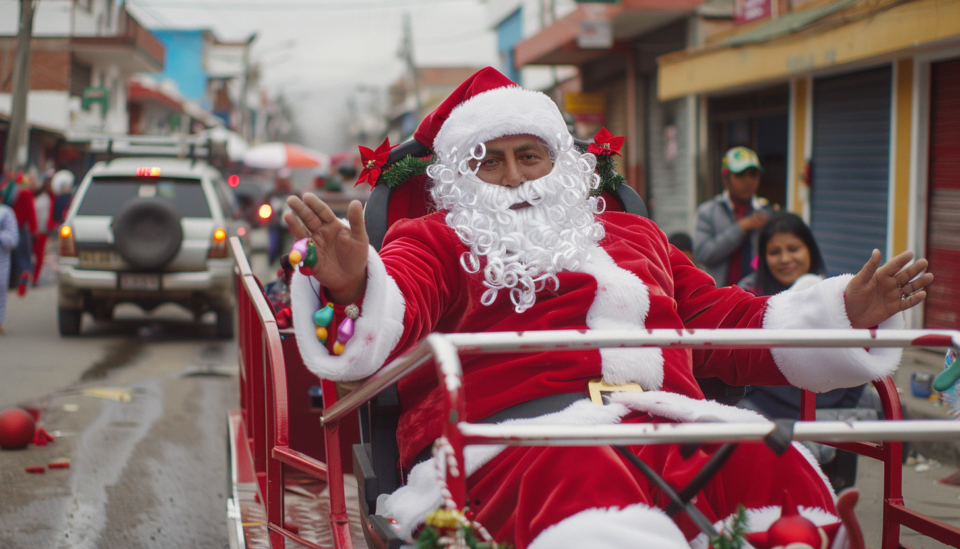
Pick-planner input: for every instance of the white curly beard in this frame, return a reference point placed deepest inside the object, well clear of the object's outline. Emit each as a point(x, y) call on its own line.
point(523, 249)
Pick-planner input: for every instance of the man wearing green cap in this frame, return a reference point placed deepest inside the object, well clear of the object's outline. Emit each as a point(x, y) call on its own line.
point(725, 240)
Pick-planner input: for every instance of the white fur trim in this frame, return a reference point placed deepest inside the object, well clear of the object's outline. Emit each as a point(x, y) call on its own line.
point(808, 455)
point(622, 303)
point(632, 526)
point(820, 370)
point(683, 409)
point(376, 331)
point(759, 520)
point(498, 113)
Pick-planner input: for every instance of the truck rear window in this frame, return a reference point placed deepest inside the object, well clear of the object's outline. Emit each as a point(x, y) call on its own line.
point(106, 195)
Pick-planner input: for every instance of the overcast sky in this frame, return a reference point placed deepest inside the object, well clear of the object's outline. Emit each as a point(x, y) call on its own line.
point(339, 45)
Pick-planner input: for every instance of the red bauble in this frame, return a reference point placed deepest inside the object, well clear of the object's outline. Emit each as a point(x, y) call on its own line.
point(17, 428)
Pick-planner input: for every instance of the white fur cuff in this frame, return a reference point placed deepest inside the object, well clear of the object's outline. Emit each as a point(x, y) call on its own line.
point(633, 526)
point(822, 369)
point(376, 331)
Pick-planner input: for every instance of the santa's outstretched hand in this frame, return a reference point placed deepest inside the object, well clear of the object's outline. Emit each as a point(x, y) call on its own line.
point(341, 266)
point(877, 293)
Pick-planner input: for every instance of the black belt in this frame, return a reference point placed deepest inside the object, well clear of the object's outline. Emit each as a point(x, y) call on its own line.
point(525, 410)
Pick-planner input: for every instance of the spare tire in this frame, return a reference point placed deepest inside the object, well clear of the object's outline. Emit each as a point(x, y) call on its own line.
point(147, 233)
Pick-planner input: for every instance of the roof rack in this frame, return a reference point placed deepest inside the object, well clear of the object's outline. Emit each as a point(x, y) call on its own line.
point(185, 146)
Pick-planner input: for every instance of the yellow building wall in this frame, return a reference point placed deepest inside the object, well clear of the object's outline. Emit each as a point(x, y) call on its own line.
point(903, 117)
point(899, 28)
point(797, 186)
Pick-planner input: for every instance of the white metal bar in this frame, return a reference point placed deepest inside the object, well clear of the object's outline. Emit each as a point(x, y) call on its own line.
point(575, 340)
point(680, 433)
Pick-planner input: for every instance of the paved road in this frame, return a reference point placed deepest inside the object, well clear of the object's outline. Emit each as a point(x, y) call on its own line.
point(147, 472)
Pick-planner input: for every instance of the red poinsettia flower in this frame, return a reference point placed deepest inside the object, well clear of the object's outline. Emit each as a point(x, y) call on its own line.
point(605, 144)
point(373, 161)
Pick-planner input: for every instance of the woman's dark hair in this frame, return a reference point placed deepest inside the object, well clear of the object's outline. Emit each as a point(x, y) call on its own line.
point(785, 223)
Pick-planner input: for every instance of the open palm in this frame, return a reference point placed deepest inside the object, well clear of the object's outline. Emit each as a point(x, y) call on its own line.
point(341, 266)
point(877, 293)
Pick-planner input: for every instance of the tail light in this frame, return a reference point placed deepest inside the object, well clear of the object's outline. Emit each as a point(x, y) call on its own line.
point(265, 212)
point(218, 244)
point(68, 246)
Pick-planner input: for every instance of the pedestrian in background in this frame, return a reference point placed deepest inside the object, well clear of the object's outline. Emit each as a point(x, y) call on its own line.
point(9, 237)
point(725, 240)
point(26, 212)
point(43, 198)
point(62, 184)
point(790, 259)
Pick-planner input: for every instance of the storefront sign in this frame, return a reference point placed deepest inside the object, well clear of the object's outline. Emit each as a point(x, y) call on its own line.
point(585, 103)
point(745, 11)
point(595, 35)
point(95, 94)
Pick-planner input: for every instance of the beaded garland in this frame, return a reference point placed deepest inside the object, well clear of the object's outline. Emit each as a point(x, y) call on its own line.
point(304, 256)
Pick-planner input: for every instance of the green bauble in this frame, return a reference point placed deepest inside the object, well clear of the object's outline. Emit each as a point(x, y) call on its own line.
point(323, 317)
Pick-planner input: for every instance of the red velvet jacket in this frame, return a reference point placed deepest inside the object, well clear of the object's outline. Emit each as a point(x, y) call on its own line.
point(422, 257)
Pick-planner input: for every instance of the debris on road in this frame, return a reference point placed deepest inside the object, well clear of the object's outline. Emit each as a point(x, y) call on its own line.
point(120, 394)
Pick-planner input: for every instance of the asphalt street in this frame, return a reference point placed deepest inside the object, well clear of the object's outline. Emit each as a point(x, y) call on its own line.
point(138, 407)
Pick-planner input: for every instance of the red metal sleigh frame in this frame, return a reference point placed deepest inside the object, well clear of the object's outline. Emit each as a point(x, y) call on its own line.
point(263, 422)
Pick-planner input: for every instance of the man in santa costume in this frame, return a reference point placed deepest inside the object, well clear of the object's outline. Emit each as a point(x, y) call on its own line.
point(518, 243)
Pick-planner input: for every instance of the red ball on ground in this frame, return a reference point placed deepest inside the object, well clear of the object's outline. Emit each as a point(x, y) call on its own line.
point(17, 428)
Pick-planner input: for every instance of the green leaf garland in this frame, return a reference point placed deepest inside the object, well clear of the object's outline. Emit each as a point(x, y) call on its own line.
point(405, 168)
point(607, 170)
point(733, 538)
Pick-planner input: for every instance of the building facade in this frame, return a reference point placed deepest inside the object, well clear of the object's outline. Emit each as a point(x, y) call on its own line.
point(871, 94)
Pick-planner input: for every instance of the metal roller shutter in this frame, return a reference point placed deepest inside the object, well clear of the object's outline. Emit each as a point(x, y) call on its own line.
point(943, 236)
point(851, 167)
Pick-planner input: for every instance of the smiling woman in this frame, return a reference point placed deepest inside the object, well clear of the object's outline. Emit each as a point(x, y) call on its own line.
point(788, 253)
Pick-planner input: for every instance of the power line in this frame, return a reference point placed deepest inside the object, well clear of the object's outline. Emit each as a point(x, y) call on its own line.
point(149, 11)
point(295, 6)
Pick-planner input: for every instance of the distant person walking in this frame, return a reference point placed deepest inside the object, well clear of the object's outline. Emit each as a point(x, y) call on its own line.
point(725, 240)
point(26, 212)
point(43, 198)
point(9, 237)
point(62, 184)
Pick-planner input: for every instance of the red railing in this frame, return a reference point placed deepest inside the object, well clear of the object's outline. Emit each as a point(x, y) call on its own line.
point(264, 409)
point(895, 512)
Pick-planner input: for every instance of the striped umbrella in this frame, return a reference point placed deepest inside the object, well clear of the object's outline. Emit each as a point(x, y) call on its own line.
point(273, 156)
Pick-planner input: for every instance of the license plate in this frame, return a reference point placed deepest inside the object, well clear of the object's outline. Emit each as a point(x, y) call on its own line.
point(130, 281)
point(97, 257)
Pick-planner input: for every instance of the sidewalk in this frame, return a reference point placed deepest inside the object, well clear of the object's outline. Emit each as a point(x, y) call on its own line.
point(929, 362)
point(929, 463)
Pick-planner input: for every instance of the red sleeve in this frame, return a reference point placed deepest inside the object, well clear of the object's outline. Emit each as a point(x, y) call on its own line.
point(701, 305)
point(421, 257)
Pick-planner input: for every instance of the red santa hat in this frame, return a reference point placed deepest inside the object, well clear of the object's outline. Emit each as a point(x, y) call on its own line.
point(487, 106)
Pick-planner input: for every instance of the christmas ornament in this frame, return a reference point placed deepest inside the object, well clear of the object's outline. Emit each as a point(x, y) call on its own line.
point(324, 316)
point(373, 162)
point(793, 530)
point(17, 428)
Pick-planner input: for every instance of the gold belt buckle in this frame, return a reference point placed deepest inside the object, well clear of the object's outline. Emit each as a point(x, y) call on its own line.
point(598, 386)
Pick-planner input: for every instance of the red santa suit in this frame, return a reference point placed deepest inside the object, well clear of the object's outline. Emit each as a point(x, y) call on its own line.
point(578, 497)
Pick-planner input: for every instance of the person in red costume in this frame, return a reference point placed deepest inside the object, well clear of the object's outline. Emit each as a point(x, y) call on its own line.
point(518, 243)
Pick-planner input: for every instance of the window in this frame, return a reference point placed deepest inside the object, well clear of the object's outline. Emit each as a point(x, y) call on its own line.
point(106, 195)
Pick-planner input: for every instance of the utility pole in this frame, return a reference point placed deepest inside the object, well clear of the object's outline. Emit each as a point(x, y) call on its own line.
point(406, 51)
point(18, 131)
point(245, 84)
